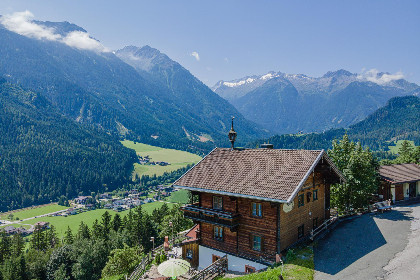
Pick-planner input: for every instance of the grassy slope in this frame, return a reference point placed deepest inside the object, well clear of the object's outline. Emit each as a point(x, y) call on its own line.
point(177, 159)
point(34, 211)
point(60, 223)
point(394, 149)
point(300, 268)
point(180, 196)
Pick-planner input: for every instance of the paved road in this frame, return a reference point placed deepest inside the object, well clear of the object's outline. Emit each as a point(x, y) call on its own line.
point(406, 264)
point(360, 248)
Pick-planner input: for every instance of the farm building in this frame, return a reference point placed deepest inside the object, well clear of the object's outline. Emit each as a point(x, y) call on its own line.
point(252, 204)
point(399, 182)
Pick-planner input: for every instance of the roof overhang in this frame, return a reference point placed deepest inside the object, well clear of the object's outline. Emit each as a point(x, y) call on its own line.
point(230, 194)
point(322, 155)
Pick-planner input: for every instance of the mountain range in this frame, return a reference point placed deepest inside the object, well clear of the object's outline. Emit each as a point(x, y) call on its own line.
point(160, 103)
point(399, 119)
point(291, 103)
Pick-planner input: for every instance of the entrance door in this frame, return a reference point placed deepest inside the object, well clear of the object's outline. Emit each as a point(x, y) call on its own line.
point(412, 190)
point(399, 192)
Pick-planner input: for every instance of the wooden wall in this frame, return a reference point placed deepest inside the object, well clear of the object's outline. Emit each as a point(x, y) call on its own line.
point(304, 215)
point(266, 227)
point(238, 241)
point(194, 247)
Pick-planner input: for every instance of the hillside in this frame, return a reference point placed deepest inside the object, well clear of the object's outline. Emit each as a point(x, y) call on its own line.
point(288, 103)
point(44, 155)
point(91, 85)
point(398, 119)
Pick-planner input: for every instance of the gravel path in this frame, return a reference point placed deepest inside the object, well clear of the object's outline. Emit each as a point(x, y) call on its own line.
point(360, 248)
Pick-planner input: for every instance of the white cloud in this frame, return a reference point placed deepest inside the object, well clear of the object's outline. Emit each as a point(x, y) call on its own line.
point(82, 41)
point(195, 54)
point(22, 23)
point(373, 75)
point(226, 59)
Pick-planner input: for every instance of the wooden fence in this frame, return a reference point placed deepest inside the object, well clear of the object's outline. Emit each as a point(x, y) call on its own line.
point(323, 227)
point(217, 268)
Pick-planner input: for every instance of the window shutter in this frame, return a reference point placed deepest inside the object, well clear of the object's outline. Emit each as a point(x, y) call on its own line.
point(262, 244)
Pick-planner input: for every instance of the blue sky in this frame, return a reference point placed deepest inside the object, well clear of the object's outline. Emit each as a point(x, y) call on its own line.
point(238, 38)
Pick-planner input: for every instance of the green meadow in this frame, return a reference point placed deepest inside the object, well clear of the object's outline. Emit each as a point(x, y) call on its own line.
point(73, 221)
point(180, 196)
point(394, 149)
point(176, 158)
point(33, 211)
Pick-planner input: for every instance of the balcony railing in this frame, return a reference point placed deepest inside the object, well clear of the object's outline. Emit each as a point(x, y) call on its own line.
point(217, 217)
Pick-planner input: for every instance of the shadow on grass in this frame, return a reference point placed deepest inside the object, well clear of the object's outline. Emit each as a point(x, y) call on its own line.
point(350, 241)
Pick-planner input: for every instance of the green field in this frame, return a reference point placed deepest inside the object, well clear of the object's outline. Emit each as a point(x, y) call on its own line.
point(60, 223)
point(177, 159)
point(34, 211)
point(180, 196)
point(394, 149)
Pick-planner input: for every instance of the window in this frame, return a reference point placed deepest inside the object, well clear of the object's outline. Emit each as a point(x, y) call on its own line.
point(218, 233)
point(217, 202)
point(301, 231)
point(315, 223)
point(301, 200)
point(308, 197)
point(189, 254)
point(315, 196)
point(256, 242)
point(256, 209)
point(249, 269)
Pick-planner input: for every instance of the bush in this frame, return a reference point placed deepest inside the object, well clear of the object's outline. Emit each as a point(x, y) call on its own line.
point(291, 255)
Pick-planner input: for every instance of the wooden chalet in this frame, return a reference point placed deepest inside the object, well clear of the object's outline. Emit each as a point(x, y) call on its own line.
point(252, 204)
point(399, 182)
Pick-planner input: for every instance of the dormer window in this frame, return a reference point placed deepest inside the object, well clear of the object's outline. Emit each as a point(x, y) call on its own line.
point(218, 202)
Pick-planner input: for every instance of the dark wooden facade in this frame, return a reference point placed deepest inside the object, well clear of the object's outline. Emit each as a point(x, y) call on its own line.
point(278, 229)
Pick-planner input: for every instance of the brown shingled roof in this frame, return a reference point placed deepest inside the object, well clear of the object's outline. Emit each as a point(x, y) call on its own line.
point(400, 173)
point(271, 174)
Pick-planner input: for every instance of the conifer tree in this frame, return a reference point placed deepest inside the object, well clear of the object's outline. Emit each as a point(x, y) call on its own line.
point(68, 236)
point(83, 232)
point(51, 238)
point(116, 222)
point(96, 230)
point(18, 244)
point(38, 241)
point(4, 246)
point(106, 225)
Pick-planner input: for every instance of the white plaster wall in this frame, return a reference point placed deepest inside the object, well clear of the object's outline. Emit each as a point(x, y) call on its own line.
point(205, 256)
point(405, 190)
point(418, 188)
point(393, 192)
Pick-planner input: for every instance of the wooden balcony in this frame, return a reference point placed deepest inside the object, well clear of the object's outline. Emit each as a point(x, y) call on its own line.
point(212, 216)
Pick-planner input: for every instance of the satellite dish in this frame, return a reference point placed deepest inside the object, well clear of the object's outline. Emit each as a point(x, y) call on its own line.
point(287, 207)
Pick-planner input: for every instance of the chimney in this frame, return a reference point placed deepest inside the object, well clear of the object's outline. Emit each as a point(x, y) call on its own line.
point(266, 146)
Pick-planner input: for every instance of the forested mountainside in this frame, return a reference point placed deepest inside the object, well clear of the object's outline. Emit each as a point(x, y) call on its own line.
point(398, 119)
point(43, 154)
point(286, 103)
point(96, 87)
